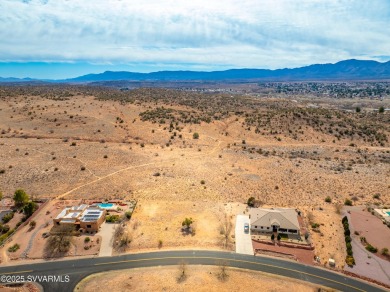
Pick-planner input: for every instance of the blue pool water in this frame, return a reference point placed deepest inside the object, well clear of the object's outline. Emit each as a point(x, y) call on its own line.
point(106, 205)
point(388, 213)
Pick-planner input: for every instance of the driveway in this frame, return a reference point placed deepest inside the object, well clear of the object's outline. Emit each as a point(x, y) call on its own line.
point(106, 232)
point(243, 240)
point(367, 264)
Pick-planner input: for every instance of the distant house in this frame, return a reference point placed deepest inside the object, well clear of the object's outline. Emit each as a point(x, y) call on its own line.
point(84, 217)
point(279, 220)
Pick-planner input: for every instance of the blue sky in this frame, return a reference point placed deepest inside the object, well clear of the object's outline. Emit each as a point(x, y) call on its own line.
point(66, 38)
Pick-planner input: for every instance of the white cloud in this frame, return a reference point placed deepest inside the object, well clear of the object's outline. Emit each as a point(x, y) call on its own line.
point(206, 34)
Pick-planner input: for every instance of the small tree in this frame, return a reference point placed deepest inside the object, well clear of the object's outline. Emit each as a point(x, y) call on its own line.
point(29, 209)
point(279, 237)
point(60, 240)
point(20, 197)
point(187, 223)
point(381, 109)
point(328, 199)
point(182, 272)
point(32, 224)
point(385, 251)
point(225, 229)
point(358, 109)
point(222, 267)
point(273, 236)
point(195, 135)
point(251, 202)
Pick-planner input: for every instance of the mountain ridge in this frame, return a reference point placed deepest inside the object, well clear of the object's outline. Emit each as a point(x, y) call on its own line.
point(351, 69)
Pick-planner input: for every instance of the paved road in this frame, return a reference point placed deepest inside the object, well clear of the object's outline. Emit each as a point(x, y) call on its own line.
point(78, 269)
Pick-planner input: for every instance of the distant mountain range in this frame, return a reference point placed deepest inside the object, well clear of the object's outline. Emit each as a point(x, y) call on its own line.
point(343, 70)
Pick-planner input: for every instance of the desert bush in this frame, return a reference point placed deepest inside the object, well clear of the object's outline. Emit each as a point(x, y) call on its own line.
point(350, 261)
point(195, 136)
point(348, 202)
point(128, 214)
point(328, 199)
point(14, 248)
point(187, 223)
point(87, 239)
point(385, 251)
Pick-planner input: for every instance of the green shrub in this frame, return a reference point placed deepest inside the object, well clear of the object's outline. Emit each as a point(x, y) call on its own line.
point(14, 248)
point(5, 228)
point(195, 136)
point(371, 248)
point(315, 225)
point(350, 261)
point(348, 239)
point(112, 218)
point(87, 239)
point(328, 199)
point(348, 202)
point(385, 251)
point(8, 217)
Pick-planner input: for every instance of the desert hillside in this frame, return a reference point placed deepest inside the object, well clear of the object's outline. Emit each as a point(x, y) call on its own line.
point(93, 142)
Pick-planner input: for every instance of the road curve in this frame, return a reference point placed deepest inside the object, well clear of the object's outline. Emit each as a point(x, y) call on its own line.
point(80, 268)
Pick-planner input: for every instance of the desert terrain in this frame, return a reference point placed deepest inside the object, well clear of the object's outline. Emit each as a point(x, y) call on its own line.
point(198, 278)
point(189, 154)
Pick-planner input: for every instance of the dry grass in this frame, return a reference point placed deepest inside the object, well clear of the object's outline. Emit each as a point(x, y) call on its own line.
point(199, 278)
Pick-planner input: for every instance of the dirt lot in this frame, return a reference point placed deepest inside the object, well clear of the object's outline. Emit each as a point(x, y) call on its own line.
point(200, 278)
point(329, 241)
point(153, 221)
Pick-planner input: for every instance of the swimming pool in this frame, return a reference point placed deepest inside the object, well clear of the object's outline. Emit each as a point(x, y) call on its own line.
point(106, 205)
point(388, 213)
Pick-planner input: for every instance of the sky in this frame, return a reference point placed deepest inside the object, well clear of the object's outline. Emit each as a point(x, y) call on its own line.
point(57, 39)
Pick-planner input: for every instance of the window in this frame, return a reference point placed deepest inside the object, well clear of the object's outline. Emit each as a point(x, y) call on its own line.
point(89, 226)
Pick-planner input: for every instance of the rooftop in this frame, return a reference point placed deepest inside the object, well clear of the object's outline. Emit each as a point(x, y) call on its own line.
point(284, 217)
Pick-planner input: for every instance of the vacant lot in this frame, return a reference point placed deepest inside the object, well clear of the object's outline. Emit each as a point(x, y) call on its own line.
point(158, 224)
point(199, 278)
